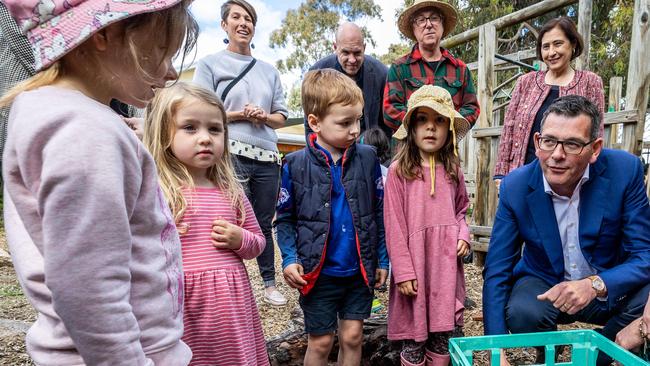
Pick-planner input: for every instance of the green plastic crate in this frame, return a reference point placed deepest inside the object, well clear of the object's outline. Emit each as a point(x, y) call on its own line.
point(585, 344)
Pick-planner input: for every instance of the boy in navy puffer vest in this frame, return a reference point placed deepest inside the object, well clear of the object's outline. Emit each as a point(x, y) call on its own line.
point(329, 221)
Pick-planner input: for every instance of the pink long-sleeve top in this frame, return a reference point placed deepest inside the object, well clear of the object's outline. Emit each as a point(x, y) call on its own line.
point(91, 236)
point(528, 96)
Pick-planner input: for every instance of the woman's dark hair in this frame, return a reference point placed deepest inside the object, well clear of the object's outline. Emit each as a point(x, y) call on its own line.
point(569, 28)
point(225, 9)
point(377, 138)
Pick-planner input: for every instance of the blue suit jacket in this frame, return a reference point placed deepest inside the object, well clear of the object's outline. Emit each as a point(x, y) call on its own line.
point(614, 231)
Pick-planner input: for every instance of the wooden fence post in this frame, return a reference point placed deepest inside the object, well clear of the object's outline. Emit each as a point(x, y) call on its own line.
point(615, 93)
point(638, 76)
point(485, 189)
point(584, 28)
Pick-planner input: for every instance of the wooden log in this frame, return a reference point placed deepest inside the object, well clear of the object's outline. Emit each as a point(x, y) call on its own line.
point(478, 246)
point(288, 349)
point(584, 28)
point(487, 132)
point(486, 83)
point(480, 230)
point(519, 16)
point(614, 104)
point(628, 117)
point(638, 76)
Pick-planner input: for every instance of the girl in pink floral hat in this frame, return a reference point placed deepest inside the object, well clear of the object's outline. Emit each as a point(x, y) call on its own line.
point(92, 238)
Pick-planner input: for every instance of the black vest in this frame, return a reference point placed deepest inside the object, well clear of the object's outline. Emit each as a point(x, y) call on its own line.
point(312, 185)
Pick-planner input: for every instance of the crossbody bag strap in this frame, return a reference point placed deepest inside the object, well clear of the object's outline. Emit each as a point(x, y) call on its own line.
point(236, 80)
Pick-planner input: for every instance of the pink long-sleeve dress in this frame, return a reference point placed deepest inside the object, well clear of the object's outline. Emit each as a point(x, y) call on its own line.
point(222, 324)
point(421, 236)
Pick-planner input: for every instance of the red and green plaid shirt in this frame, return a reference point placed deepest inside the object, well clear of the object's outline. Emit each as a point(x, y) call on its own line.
point(409, 72)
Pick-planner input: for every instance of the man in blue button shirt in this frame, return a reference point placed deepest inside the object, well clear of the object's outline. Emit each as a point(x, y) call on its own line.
point(583, 214)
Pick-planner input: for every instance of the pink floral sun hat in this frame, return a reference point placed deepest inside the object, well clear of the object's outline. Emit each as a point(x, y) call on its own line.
point(54, 27)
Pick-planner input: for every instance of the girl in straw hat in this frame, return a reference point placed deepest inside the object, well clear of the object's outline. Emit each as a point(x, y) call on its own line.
point(92, 239)
point(426, 233)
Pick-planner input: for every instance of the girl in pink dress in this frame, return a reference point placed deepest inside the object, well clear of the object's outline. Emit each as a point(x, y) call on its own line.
point(426, 232)
point(186, 131)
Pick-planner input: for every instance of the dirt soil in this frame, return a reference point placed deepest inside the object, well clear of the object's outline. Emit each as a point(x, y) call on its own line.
point(15, 309)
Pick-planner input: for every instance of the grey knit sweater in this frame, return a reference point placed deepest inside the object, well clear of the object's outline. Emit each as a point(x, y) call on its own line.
point(261, 87)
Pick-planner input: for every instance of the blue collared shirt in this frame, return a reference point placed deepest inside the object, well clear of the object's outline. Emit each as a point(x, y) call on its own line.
point(567, 215)
point(341, 256)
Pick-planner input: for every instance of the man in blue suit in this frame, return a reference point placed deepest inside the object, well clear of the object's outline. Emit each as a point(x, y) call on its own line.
point(367, 72)
point(581, 215)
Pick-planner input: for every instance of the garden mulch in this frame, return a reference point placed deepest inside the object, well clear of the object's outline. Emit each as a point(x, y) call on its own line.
point(16, 313)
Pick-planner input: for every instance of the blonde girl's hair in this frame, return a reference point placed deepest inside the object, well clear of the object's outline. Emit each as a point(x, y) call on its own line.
point(159, 130)
point(174, 27)
point(409, 165)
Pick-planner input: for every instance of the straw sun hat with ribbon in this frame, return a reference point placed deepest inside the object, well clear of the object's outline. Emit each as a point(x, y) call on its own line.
point(439, 100)
point(448, 12)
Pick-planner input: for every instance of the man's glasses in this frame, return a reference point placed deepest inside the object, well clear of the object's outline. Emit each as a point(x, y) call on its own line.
point(421, 20)
point(569, 146)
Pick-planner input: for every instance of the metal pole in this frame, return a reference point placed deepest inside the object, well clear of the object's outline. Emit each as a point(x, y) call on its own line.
point(515, 62)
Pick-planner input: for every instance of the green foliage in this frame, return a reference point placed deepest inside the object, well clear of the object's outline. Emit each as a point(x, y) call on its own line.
point(394, 51)
point(310, 29)
point(294, 101)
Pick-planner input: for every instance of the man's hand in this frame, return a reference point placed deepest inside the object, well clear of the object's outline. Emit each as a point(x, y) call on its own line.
point(380, 277)
point(408, 288)
point(293, 276)
point(462, 248)
point(226, 235)
point(630, 337)
point(570, 296)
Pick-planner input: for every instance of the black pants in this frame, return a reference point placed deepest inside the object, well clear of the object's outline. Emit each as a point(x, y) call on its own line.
point(261, 186)
point(526, 314)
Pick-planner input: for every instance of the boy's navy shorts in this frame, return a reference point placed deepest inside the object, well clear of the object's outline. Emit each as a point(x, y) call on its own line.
point(334, 298)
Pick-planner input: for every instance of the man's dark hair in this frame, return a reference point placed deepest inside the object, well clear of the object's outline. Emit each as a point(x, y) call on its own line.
point(573, 106)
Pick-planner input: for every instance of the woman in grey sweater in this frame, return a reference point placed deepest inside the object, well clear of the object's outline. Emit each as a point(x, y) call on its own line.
point(252, 93)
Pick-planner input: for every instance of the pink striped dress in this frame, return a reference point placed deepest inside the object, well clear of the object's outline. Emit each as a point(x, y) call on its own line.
point(222, 324)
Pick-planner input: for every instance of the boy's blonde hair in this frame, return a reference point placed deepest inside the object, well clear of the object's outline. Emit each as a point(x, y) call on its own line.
point(159, 131)
point(173, 27)
point(323, 88)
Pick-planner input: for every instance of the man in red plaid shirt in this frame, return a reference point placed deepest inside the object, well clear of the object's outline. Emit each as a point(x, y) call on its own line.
point(428, 22)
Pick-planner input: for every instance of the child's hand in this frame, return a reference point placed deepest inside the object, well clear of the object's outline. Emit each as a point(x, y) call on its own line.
point(408, 288)
point(293, 276)
point(380, 277)
point(136, 124)
point(462, 248)
point(226, 235)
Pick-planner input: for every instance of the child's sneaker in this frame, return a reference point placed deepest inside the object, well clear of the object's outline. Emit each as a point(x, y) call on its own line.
point(275, 298)
point(376, 306)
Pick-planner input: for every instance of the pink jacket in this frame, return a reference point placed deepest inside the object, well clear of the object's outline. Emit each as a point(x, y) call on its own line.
point(527, 98)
